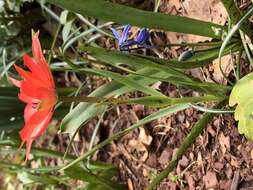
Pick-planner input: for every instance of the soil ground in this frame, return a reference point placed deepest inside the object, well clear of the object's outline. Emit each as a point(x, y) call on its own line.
point(219, 159)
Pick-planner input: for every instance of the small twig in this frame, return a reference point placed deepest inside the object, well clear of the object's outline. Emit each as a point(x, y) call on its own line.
point(238, 66)
point(235, 181)
point(246, 48)
point(210, 110)
point(93, 137)
point(157, 4)
point(53, 43)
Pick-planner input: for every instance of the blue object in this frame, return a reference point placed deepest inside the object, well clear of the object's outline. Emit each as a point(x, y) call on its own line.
point(125, 43)
point(185, 55)
point(142, 37)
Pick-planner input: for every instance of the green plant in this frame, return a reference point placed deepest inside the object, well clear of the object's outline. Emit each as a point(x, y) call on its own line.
point(129, 72)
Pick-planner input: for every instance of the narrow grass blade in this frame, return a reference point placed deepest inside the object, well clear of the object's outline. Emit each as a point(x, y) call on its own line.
point(174, 76)
point(42, 152)
point(199, 59)
point(81, 174)
point(234, 29)
point(161, 101)
point(130, 83)
point(109, 11)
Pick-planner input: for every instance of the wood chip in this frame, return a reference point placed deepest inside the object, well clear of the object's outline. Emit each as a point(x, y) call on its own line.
point(224, 142)
point(210, 179)
point(235, 181)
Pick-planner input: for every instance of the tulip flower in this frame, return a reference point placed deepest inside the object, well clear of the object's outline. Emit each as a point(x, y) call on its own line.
point(37, 90)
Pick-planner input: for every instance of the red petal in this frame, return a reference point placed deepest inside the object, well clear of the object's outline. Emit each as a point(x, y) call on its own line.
point(27, 99)
point(28, 148)
point(17, 83)
point(32, 91)
point(28, 61)
point(30, 110)
point(35, 125)
point(33, 80)
point(37, 70)
point(39, 58)
point(36, 48)
point(38, 94)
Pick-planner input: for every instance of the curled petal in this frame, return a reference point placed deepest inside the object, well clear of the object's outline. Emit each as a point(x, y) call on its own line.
point(26, 75)
point(27, 99)
point(125, 33)
point(115, 33)
point(36, 69)
point(35, 125)
point(17, 83)
point(36, 47)
point(40, 60)
point(30, 110)
point(142, 36)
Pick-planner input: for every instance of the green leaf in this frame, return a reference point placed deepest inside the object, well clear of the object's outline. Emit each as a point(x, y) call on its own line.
point(242, 96)
point(14, 142)
point(199, 59)
point(128, 82)
point(174, 76)
point(233, 30)
point(64, 16)
point(77, 172)
point(66, 30)
point(161, 101)
point(11, 117)
point(28, 178)
point(108, 11)
point(84, 111)
point(235, 15)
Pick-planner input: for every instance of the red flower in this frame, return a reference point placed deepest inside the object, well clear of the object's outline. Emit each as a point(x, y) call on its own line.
point(37, 90)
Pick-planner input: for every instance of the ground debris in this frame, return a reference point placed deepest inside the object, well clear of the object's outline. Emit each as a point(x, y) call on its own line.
point(210, 180)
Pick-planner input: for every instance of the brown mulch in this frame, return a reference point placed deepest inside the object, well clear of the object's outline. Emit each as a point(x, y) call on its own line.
point(219, 159)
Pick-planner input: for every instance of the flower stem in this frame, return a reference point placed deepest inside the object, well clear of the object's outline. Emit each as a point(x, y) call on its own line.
point(157, 4)
point(53, 43)
point(151, 101)
point(100, 100)
point(192, 45)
